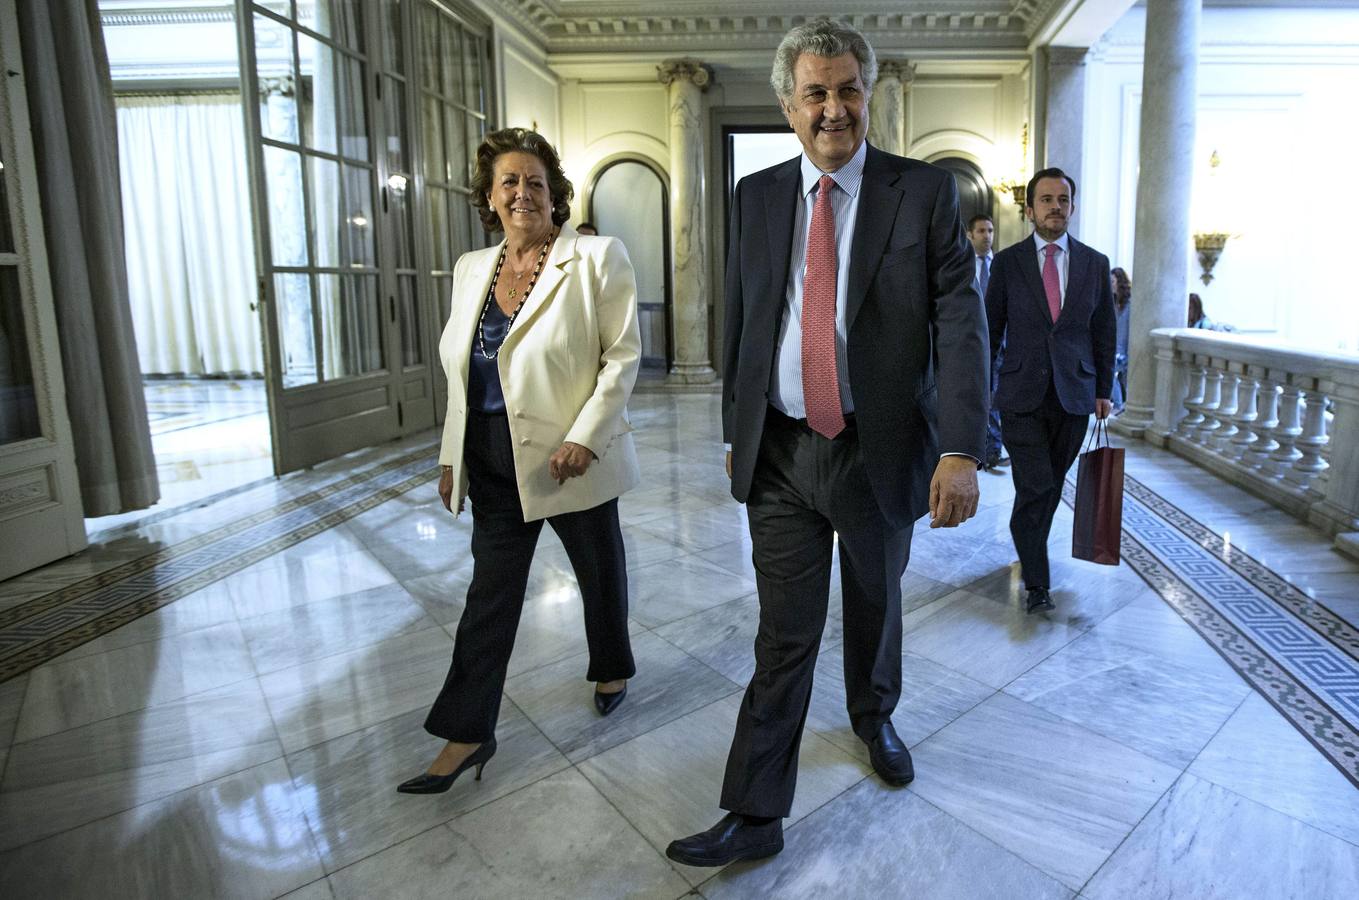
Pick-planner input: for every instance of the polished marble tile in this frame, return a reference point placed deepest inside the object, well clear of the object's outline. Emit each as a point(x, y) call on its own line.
point(668, 591)
point(931, 696)
point(443, 594)
point(987, 640)
point(657, 502)
point(316, 701)
point(952, 556)
point(668, 684)
point(1202, 840)
point(551, 628)
point(874, 842)
point(1152, 626)
point(317, 890)
point(1057, 795)
point(64, 780)
point(702, 529)
point(1145, 701)
point(312, 631)
point(69, 693)
point(11, 701)
point(668, 782)
point(1260, 755)
point(201, 609)
point(281, 582)
point(240, 836)
point(349, 783)
point(556, 838)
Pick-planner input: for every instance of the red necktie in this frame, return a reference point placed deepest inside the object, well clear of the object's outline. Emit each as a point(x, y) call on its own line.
point(1052, 285)
point(820, 383)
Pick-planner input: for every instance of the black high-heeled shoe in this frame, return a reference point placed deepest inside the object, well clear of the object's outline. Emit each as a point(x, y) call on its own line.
point(437, 784)
point(607, 703)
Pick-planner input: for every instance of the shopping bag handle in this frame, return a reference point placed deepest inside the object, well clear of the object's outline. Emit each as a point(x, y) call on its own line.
point(1101, 428)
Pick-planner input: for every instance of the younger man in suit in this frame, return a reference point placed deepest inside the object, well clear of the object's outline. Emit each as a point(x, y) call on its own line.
point(1049, 301)
point(981, 231)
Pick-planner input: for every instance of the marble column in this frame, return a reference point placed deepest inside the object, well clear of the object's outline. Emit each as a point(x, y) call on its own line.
point(887, 107)
point(1165, 181)
point(1064, 138)
point(687, 79)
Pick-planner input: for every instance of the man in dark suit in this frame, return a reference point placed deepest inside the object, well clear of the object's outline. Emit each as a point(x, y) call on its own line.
point(851, 320)
point(1050, 302)
point(981, 231)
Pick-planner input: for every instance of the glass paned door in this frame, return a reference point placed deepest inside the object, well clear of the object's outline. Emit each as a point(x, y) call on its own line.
point(331, 171)
point(450, 89)
point(40, 510)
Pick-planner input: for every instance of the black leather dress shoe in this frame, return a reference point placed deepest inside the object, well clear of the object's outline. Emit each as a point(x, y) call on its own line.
point(1039, 598)
point(727, 841)
point(891, 759)
point(607, 703)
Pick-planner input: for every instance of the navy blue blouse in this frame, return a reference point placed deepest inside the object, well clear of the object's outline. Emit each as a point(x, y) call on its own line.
point(483, 377)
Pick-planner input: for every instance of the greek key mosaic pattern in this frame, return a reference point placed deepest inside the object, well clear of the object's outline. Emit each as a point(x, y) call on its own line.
point(47, 626)
point(1297, 654)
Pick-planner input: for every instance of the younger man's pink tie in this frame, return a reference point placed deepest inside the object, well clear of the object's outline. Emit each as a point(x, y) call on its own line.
point(1052, 285)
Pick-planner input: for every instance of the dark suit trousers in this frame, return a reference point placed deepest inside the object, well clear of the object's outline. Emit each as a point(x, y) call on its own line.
point(807, 489)
point(1043, 444)
point(502, 551)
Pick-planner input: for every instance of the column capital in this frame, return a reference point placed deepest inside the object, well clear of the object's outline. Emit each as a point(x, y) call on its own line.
point(1067, 56)
point(685, 69)
point(901, 69)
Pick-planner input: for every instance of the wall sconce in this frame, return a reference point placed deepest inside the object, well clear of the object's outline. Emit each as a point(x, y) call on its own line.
point(1017, 187)
point(1209, 246)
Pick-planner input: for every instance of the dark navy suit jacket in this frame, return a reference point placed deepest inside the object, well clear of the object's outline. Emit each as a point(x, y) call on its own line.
point(1075, 354)
point(916, 341)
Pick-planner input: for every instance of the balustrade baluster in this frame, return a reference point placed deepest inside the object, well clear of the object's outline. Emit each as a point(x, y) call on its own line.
point(1193, 402)
point(1288, 431)
point(1266, 423)
point(1245, 416)
point(1313, 438)
point(1212, 399)
point(1226, 409)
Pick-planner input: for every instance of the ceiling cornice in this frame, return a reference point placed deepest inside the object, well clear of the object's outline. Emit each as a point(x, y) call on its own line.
point(577, 26)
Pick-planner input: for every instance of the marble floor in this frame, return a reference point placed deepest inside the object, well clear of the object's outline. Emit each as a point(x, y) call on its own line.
point(209, 435)
point(244, 736)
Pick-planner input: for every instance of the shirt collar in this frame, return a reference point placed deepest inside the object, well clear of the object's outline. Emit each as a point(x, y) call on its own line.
point(1061, 242)
point(848, 177)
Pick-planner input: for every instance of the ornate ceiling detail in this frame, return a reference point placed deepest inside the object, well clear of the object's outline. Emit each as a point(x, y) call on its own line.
point(585, 26)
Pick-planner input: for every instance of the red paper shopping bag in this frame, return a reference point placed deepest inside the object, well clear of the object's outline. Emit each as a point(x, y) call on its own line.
point(1099, 501)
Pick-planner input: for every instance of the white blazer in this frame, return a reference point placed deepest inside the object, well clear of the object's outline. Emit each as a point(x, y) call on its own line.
point(567, 368)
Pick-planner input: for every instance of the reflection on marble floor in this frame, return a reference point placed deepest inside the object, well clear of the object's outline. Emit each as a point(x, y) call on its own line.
point(245, 739)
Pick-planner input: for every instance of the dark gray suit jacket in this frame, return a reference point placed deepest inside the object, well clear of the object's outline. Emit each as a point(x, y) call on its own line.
point(1076, 353)
point(917, 348)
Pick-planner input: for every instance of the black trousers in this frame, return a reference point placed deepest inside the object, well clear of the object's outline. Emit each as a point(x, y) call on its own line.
point(1043, 444)
point(808, 489)
point(502, 551)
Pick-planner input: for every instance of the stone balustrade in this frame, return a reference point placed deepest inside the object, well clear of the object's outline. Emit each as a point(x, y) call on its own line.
point(1281, 422)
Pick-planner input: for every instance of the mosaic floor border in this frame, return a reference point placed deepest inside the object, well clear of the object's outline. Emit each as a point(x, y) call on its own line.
point(1298, 657)
point(40, 629)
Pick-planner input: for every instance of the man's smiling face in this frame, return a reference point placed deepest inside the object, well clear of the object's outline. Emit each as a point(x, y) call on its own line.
point(828, 109)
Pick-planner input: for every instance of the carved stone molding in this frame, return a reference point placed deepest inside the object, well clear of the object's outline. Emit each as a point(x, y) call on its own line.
point(1068, 56)
point(900, 69)
point(685, 69)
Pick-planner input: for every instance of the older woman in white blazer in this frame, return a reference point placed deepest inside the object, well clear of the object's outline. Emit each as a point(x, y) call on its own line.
point(541, 352)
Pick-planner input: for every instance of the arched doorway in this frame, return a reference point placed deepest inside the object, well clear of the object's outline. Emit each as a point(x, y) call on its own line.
point(974, 194)
point(629, 201)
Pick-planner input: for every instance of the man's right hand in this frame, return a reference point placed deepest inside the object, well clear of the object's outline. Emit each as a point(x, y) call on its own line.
point(729, 464)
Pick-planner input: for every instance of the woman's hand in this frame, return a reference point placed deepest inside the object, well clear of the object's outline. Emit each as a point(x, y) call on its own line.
point(446, 488)
point(569, 461)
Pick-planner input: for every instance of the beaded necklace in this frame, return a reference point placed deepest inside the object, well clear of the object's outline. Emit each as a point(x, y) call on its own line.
point(490, 295)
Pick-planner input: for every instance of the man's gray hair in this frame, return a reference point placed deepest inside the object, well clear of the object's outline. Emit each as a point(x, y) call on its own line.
point(825, 38)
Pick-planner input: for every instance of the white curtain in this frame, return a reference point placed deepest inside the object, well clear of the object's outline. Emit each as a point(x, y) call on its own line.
point(190, 251)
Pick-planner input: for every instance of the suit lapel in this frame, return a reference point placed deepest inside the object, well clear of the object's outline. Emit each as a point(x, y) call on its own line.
point(780, 209)
point(554, 270)
point(469, 299)
point(1077, 273)
point(1028, 264)
point(878, 202)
